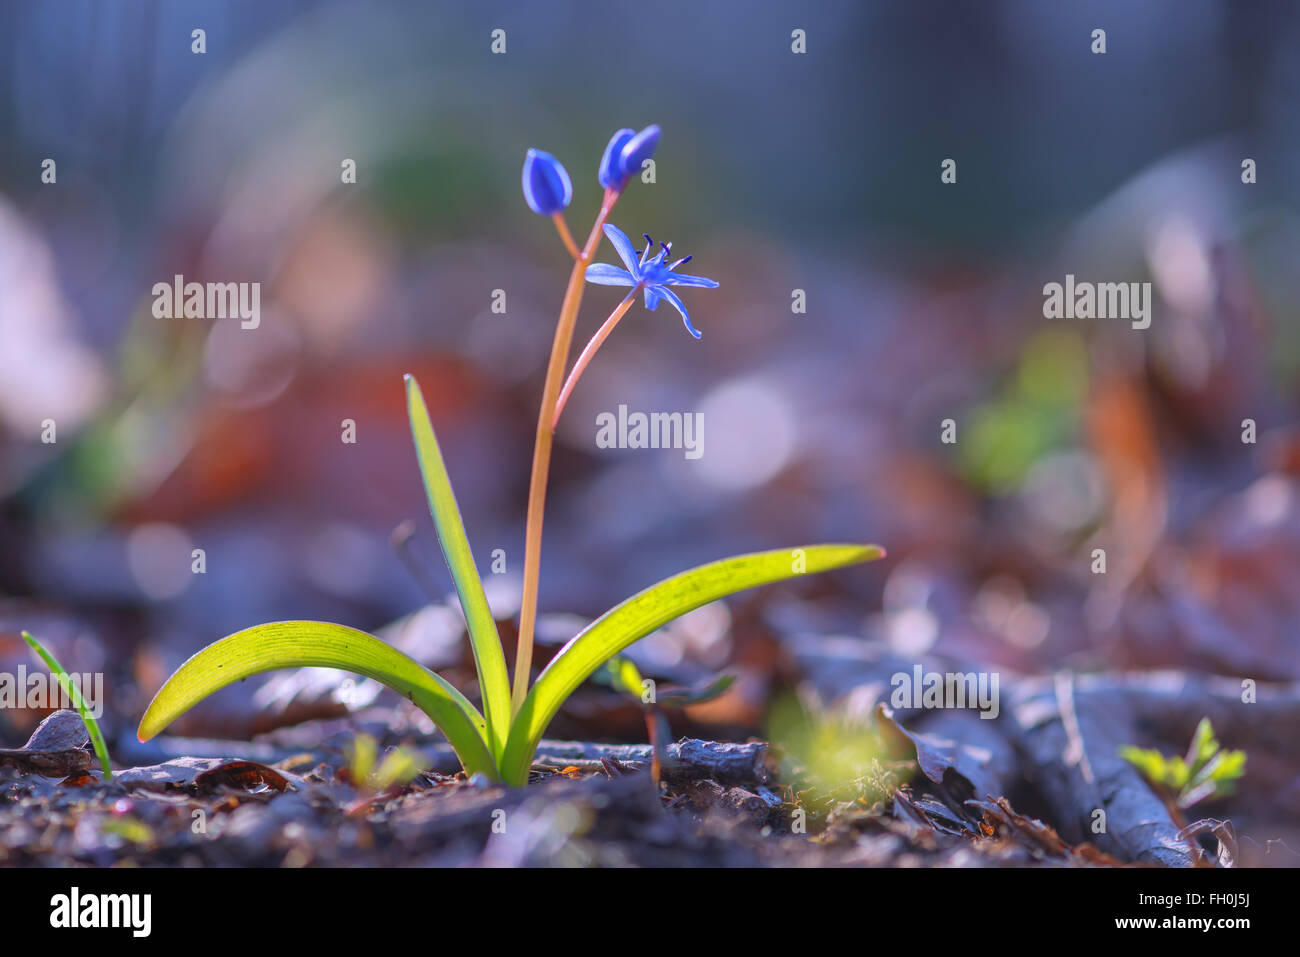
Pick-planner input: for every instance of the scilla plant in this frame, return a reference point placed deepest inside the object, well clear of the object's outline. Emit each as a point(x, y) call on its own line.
point(500, 741)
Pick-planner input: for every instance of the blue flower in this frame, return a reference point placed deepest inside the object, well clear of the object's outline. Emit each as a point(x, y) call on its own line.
point(547, 187)
point(611, 174)
point(624, 155)
point(647, 272)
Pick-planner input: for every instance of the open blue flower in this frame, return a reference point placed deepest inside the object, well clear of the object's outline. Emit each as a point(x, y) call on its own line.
point(647, 272)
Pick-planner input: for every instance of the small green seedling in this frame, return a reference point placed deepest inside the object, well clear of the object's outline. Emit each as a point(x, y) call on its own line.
point(1206, 773)
point(128, 829)
point(71, 690)
point(838, 753)
point(622, 674)
point(373, 776)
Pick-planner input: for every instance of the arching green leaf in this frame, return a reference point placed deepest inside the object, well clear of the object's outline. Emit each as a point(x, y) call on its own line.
point(318, 644)
point(643, 613)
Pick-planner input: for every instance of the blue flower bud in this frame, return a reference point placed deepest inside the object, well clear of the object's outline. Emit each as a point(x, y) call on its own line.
point(637, 150)
point(547, 187)
point(611, 174)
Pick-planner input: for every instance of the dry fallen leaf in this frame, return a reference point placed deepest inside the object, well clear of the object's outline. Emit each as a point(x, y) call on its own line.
point(55, 749)
point(206, 776)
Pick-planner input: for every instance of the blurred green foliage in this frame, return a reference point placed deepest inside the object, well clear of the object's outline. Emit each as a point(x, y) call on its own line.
point(1205, 773)
point(1034, 412)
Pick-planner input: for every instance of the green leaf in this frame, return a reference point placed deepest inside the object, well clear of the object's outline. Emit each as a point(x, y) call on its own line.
point(686, 697)
point(399, 766)
point(1221, 770)
point(365, 752)
point(1149, 762)
point(642, 614)
point(92, 726)
point(1207, 771)
point(1176, 773)
point(622, 675)
point(1202, 748)
point(318, 644)
point(483, 638)
point(1231, 765)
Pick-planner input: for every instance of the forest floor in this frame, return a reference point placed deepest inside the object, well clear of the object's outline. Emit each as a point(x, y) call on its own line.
point(945, 788)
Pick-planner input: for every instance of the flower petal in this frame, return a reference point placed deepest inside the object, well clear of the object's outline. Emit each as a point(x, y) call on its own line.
point(681, 307)
point(651, 298)
point(603, 274)
point(679, 279)
point(623, 245)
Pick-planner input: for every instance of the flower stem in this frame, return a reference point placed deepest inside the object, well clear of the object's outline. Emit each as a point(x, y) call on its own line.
point(542, 452)
point(566, 237)
point(590, 350)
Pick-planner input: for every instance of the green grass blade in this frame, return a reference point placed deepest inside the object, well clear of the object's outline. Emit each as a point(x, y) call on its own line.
point(643, 613)
point(92, 726)
point(318, 644)
point(483, 638)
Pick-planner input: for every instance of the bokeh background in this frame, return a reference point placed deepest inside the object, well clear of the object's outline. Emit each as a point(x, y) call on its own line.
point(778, 172)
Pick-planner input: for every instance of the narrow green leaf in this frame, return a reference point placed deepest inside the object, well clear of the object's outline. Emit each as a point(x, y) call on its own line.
point(483, 638)
point(365, 752)
point(319, 644)
point(623, 675)
point(1202, 748)
point(642, 614)
point(1223, 766)
point(1231, 765)
point(92, 726)
point(687, 697)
